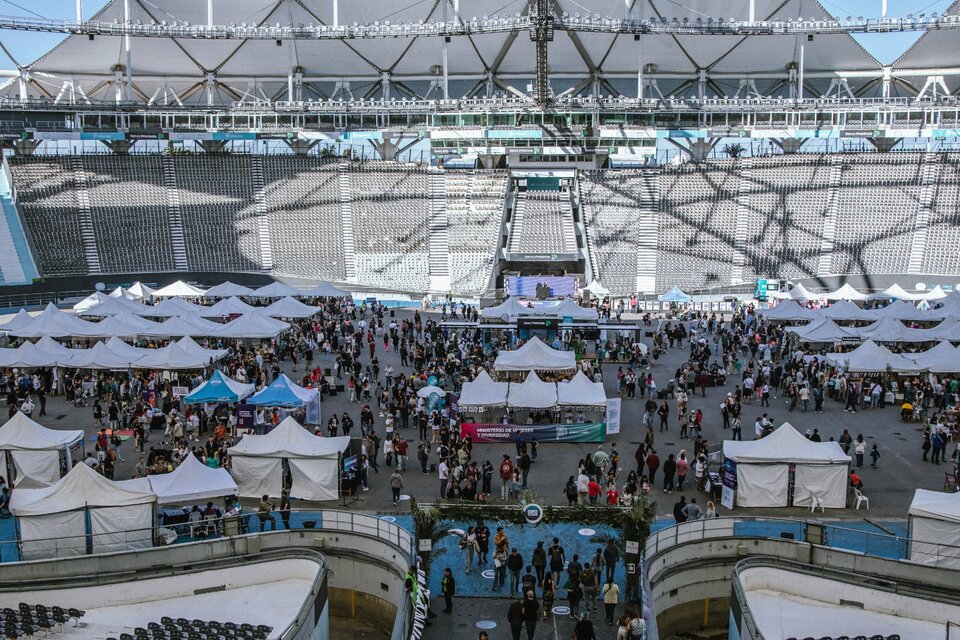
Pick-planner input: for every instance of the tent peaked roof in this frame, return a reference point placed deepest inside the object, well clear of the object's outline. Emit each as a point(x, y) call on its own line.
point(120, 292)
point(228, 307)
point(100, 356)
point(581, 391)
point(532, 393)
point(283, 392)
point(846, 292)
point(54, 323)
point(567, 308)
point(276, 290)
point(905, 310)
point(20, 433)
point(937, 293)
point(787, 311)
point(227, 290)
point(871, 357)
point(889, 329)
point(290, 440)
point(484, 391)
point(847, 311)
point(252, 325)
point(325, 290)
point(674, 294)
point(92, 300)
point(111, 307)
point(288, 307)
point(942, 358)
point(178, 288)
point(169, 307)
point(510, 308)
point(219, 388)
point(140, 290)
point(936, 504)
point(81, 488)
point(597, 289)
point(949, 329)
point(785, 445)
point(896, 292)
point(174, 357)
point(823, 330)
point(192, 480)
point(20, 320)
point(535, 354)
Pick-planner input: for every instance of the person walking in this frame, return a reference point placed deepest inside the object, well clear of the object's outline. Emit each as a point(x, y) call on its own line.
point(515, 618)
point(611, 556)
point(539, 561)
point(557, 560)
point(874, 457)
point(669, 471)
point(611, 596)
point(396, 483)
point(506, 476)
point(548, 594)
point(531, 613)
point(469, 546)
point(285, 508)
point(448, 587)
point(499, 568)
point(590, 585)
point(574, 594)
point(653, 463)
point(515, 565)
point(859, 449)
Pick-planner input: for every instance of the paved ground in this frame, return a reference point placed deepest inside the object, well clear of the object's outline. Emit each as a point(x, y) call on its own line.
point(890, 488)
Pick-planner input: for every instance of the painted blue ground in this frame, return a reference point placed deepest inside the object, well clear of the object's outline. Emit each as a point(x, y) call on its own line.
point(862, 537)
point(16, 232)
point(524, 538)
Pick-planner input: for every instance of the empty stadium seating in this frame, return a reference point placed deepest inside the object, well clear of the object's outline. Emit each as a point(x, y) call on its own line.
point(943, 238)
point(474, 202)
point(542, 223)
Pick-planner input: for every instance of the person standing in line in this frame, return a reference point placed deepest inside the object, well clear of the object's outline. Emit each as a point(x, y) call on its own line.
point(499, 568)
point(539, 561)
point(611, 596)
point(285, 508)
point(682, 466)
point(531, 614)
point(859, 449)
point(669, 471)
point(515, 618)
point(506, 476)
point(653, 463)
point(611, 556)
point(515, 565)
point(448, 587)
point(443, 472)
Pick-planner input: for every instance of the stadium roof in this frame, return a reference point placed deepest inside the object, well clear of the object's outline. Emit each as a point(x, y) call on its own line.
point(224, 71)
point(927, 55)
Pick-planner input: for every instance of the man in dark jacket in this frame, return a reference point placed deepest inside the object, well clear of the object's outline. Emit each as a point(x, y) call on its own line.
point(678, 514)
point(448, 587)
point(515, 618)
point(531, 613)
point(514, 565)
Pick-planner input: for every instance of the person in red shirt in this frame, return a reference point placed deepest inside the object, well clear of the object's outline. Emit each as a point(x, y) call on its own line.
point(506, 475)
point(613, 496)
point(653, 463)
point(594, 490)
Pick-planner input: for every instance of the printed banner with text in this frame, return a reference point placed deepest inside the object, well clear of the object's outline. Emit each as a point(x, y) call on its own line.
point(498, 432)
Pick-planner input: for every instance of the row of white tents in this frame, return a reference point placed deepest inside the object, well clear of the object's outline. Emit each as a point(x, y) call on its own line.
point(60, 517)
point(483, 392)
point(846, 311)
point(98, 306)
point(510, 310)
point(114, 354)
point(871, 357)
point(140, 291)
point(847, 292)
point(54, 323)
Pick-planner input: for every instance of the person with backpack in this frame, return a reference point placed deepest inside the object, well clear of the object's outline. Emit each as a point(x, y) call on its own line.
point(570, 491)
point(506, 475)
point(539, 561)
point(574, 594)
point(557, 559)
point(588, 580)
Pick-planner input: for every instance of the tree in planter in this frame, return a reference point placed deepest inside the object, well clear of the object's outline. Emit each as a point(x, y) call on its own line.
point(734, 150)
point(433, 521)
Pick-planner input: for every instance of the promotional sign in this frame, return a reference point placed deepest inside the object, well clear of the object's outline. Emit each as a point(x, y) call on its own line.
point(246, 416)
point(533, 513)
point(613, 416)
point(179, 392)
point(312, 410)
point(498, 432)
point(350, 463)
point(729, 481)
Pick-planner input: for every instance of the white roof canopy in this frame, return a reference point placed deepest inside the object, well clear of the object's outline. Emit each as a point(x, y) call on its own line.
point(535, 355)
point(174, 306)
point(823, 330)
point(942, 358)
point(325, 290)
point(178, 288)
point(532, 393)
point(483, 391)
point(888, 329)
point(847, 311)
point(81, 488)
point(788, 311)
point(288, 307)
point(846, 292)
point(785, 445)
point(290, 440)
point(508, 310)
point(20, 433)
point(871, 357)
point(192, 481)
point(936, 504)
point(581, 391)
point(252, 325)
point(227, 289)
point(276, 290)
point(228, 307)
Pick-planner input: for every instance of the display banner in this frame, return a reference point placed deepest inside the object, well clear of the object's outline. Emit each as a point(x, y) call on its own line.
point(499, 432)
point(613, 416)
point(729, 480)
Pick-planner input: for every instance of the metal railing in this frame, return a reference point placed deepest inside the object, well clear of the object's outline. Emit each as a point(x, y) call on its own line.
point(206, 529)
point(878, 544)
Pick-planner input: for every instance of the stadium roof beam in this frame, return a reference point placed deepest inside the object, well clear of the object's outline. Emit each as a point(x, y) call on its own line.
point(591, 24)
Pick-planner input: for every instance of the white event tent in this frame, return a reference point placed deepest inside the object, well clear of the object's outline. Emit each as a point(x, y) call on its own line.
point(483, 392)
point(252, 325)
point(788, 311)
point(110, 307)
point(313, 462)
point(228, 307)
point(903, 310)
point(228, 290)
point(871, 357)
point(846, 311)
point(325, 290)
point(508, 310)
point(846, 292)
point(35, 454)
point(140, 291)
point(532, 393)
point(895, 292)
point(535, 355)
point(53, 520)
point(54, 323)
point(763, 470)
point(192, 481)
point(942, 358)
point(288, 307)
point(276, 290)
point(20, 320)
point(178, 288)
point(934, 528)
point(580, 391)
point(823, 330)
point(169, 307)
point(888, 329)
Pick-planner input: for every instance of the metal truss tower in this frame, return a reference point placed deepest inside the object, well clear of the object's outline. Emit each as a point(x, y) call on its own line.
point(542, 33)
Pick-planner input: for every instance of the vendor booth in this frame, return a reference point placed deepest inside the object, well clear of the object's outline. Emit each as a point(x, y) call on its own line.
point(83, 513)
point(36, 456)
point(934, 528)
point(286, 394)
point(219, 388)
point(766, 467)
point(536, 355)
point(871, 357)
point(483, 393)
point(191, 482)
point(260, 463)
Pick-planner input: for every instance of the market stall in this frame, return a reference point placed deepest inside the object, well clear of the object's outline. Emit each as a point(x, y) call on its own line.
point(36, 456)
point(934, 528)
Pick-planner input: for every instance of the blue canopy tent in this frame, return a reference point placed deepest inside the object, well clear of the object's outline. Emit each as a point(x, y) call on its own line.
point(674, 294)
point(286, 394)
point(219, 388)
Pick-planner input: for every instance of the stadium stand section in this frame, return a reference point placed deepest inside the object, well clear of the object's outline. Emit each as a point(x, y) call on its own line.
point(542, 223)
point(696, 226)
point(474, 205)
point(405, 227)
point(303, 208)
point(16, 260)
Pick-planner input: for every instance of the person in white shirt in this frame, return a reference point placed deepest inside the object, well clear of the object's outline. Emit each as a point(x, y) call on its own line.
point(443, 472)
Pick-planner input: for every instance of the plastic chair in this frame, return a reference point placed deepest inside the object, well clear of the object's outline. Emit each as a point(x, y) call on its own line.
point(815, 501)
point(860, 500)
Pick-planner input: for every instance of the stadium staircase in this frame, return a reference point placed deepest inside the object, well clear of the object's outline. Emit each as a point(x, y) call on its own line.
point(87, 237)
point(830, 222)
point(173, 210)
point(260, 208)
point(930, 177)
point(439, 245)
point(646, 232)
point(346, 220)
point(16, 261)
point(743, 213)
